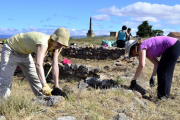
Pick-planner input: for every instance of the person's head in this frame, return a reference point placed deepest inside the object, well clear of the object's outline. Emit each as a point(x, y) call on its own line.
point(60, 38)
point(132, 47)
point(129, 30)
point(124, 27)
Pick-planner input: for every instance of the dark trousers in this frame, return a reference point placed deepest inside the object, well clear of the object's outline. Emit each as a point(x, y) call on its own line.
point(120, 43)
point(166, 69)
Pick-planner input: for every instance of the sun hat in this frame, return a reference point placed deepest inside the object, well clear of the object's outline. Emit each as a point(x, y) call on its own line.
point(61, 35)
point(129, 44)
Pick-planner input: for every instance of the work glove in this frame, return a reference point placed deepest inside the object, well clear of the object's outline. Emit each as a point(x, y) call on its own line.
point(152, 81)
point(56, 87)
point(133, 84)
point(46, 90)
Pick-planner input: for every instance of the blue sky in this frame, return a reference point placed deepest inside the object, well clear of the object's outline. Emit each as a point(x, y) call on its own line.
point(17, 16)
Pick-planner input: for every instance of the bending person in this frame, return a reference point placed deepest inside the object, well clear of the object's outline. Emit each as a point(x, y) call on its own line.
point(17, 51)
point(166, 47)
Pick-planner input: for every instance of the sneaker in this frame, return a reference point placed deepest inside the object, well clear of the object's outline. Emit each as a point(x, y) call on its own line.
point(163, 97)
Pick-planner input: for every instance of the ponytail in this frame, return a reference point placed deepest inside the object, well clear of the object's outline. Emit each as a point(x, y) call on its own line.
point(136, 46)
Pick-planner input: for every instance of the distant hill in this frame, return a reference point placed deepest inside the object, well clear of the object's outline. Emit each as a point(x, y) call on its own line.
point(5, 36)
point(77, 37)
point(84, 36)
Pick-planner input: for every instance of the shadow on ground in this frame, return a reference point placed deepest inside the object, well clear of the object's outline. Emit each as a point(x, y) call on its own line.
point(145, 94)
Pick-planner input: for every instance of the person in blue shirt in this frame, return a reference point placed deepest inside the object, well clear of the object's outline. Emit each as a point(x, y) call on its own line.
point(122, 37)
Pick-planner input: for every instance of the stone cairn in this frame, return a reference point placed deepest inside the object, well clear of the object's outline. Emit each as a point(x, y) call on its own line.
point(88, 52)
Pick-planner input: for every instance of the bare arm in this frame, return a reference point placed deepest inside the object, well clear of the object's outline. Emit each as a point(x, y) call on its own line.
point(132, 36)
point(142, 58)
point(41, 50)
point(155, 62)
point(118, 36)
point(127, 35)
point(55, 69)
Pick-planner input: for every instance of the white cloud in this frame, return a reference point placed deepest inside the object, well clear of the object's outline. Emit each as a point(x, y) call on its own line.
point(76, 32)
point(115, 22)
point(144, 9)
point(130, 24)
point(73, 29)
point(174, 22)
point(83, 32)
point(13, 31)
point(95, 24)
point(101, 17)
point(33, 28)
point(111, 11)
point(157, 25)
point(149, 19)
point(167, 31)
point(8, 31)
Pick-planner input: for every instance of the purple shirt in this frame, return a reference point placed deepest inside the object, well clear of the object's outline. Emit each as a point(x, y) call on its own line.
point(155, 46)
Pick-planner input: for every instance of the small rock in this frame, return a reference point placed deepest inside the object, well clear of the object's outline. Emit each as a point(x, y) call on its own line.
point(82, 75)
point(106, 67)
point(138, 94)
point(74, 66)
point(116, 55)
point(82, 85)
point(66, 67)
point(119, 64)
point(96, 70)
point(2, 118)
point(66, 118)
point(94, 82)
point(50, 100)
point(121, 116)
point(60, 65)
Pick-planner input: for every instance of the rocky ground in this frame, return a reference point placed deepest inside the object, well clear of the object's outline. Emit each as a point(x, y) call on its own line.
point(115, 102)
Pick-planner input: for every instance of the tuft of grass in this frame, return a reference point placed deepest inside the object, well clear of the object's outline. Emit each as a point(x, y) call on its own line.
point(119, 80)
point(17, 106)
point(72, 81)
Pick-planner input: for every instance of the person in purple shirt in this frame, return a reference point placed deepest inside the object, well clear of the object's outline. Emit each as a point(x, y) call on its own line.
point(167, 48)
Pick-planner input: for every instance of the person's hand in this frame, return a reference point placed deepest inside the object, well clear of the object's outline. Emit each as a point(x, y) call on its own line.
point(46, 90)
point(152, 81)
point(56, 87)
point(133, 84)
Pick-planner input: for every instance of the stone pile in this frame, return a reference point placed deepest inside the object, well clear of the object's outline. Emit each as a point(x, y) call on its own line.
point(93, 52)
point(104, 84)
point(123, 64)
point(82, 71)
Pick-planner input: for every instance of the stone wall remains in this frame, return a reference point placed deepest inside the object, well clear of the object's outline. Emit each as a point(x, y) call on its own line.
point(93, 52)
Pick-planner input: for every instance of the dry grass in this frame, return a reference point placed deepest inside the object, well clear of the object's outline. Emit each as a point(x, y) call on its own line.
point(96, 104)
point(89, 40)
point(93, 104)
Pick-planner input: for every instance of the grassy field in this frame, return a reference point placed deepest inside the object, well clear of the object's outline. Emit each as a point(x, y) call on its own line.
point(96, 104)
point(89, 40)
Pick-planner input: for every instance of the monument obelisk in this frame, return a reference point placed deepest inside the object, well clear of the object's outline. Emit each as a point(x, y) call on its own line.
point(90, 31)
